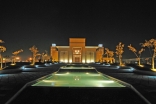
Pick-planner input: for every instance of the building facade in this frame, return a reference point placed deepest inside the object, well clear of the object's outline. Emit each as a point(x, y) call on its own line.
point(77, 52)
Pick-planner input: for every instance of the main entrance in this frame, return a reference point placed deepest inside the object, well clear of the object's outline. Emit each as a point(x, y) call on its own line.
point(77, 55)
point(77, 58)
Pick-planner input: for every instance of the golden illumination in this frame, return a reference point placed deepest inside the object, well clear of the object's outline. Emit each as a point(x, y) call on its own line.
point(70, 61)
point(35, 53)
point(119, 51)
point(92, 61)
point(151, 44)
point(88, 61)
point(14, 57)
point(2, 49)
point(122, 65)
point(135, 52)
point(13, 64)
point(141, 65)
point(76, 52)
point(66, 61)
point(109, 56)
point(153, 70)
point(83, 61)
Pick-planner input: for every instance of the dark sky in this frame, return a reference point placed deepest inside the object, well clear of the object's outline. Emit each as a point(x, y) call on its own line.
point(24, 23)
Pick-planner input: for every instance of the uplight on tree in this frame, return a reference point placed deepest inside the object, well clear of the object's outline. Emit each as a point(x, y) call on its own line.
point(2, 49)
point(147, 60)
point(35, 53)
point(119, 52)
point(138, 55)
point(15, 55)
point(109, 54)
point(151, 45)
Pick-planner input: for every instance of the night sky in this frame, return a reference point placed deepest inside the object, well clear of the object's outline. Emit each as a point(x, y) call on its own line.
point(24, 23)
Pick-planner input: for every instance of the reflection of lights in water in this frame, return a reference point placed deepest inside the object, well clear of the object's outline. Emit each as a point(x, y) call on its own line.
point(77, 78)
point(47, 80)
point(100, 85)
point(107, 81)
point(52, 83)
point(59, 74)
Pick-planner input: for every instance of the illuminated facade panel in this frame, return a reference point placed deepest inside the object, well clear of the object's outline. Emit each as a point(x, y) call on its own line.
point(76, 52)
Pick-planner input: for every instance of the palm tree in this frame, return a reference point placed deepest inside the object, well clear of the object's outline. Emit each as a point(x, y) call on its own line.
point(119, 51)
point(15, 55)
point(135, 52)
point(151, 44)
point(35, 53)
point(2, 49)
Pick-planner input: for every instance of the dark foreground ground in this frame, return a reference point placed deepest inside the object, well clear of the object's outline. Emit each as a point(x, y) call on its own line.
point(11, 83)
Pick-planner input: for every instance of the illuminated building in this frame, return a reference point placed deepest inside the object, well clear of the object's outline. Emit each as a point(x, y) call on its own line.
point(77, 52)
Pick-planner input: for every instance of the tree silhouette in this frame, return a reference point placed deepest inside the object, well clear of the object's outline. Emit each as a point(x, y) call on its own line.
point(138, 55)
point(35, 53)
point(2, 49)
point(44, 56)
point(147, 60)
point(119, 51)
point(151, 44)
point(109, 53)
point(15, 55)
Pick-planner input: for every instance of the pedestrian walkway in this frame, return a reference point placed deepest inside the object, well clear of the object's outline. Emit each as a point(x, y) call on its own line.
point(11, 83)
point(145, 84)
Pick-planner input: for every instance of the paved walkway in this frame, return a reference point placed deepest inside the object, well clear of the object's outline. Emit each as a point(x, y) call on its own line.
point(11, 83)
point(145, 84)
